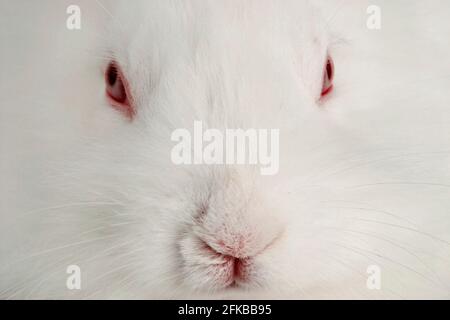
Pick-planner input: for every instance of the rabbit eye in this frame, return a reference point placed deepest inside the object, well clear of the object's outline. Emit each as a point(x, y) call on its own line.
point(328, 75)
point(117, 90)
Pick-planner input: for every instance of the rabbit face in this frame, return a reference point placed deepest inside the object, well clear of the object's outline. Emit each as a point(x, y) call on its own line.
point(362, 159)
point(218, 227)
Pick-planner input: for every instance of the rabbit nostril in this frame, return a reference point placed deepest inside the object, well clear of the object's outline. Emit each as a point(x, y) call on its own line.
point(238, 268)
point(236, 250)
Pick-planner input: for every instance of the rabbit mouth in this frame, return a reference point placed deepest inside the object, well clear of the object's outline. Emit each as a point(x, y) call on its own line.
point(234, 272)
point(206, 269)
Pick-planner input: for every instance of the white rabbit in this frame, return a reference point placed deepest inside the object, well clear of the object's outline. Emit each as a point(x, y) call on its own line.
point(360, 207)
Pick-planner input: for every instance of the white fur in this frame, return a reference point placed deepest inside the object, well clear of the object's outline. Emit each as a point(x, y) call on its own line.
point(364, 176)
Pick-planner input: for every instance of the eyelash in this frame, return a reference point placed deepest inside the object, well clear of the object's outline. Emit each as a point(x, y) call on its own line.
point(117, 90)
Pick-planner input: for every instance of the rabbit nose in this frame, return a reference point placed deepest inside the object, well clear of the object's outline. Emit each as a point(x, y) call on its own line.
point(233, 257)
point(237, 220)
point(239, 235)
point(241, 246)
point(237, 247)
point(237, 263)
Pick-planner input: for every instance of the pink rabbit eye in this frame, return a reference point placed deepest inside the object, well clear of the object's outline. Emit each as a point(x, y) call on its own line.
point(117, 90)
point(328, 75)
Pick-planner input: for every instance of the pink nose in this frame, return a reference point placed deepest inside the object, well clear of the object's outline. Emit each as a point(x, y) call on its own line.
point(239, 246)
point(238, 268)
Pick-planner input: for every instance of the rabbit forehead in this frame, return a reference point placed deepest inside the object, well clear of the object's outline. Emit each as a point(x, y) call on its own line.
point(171, 28)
